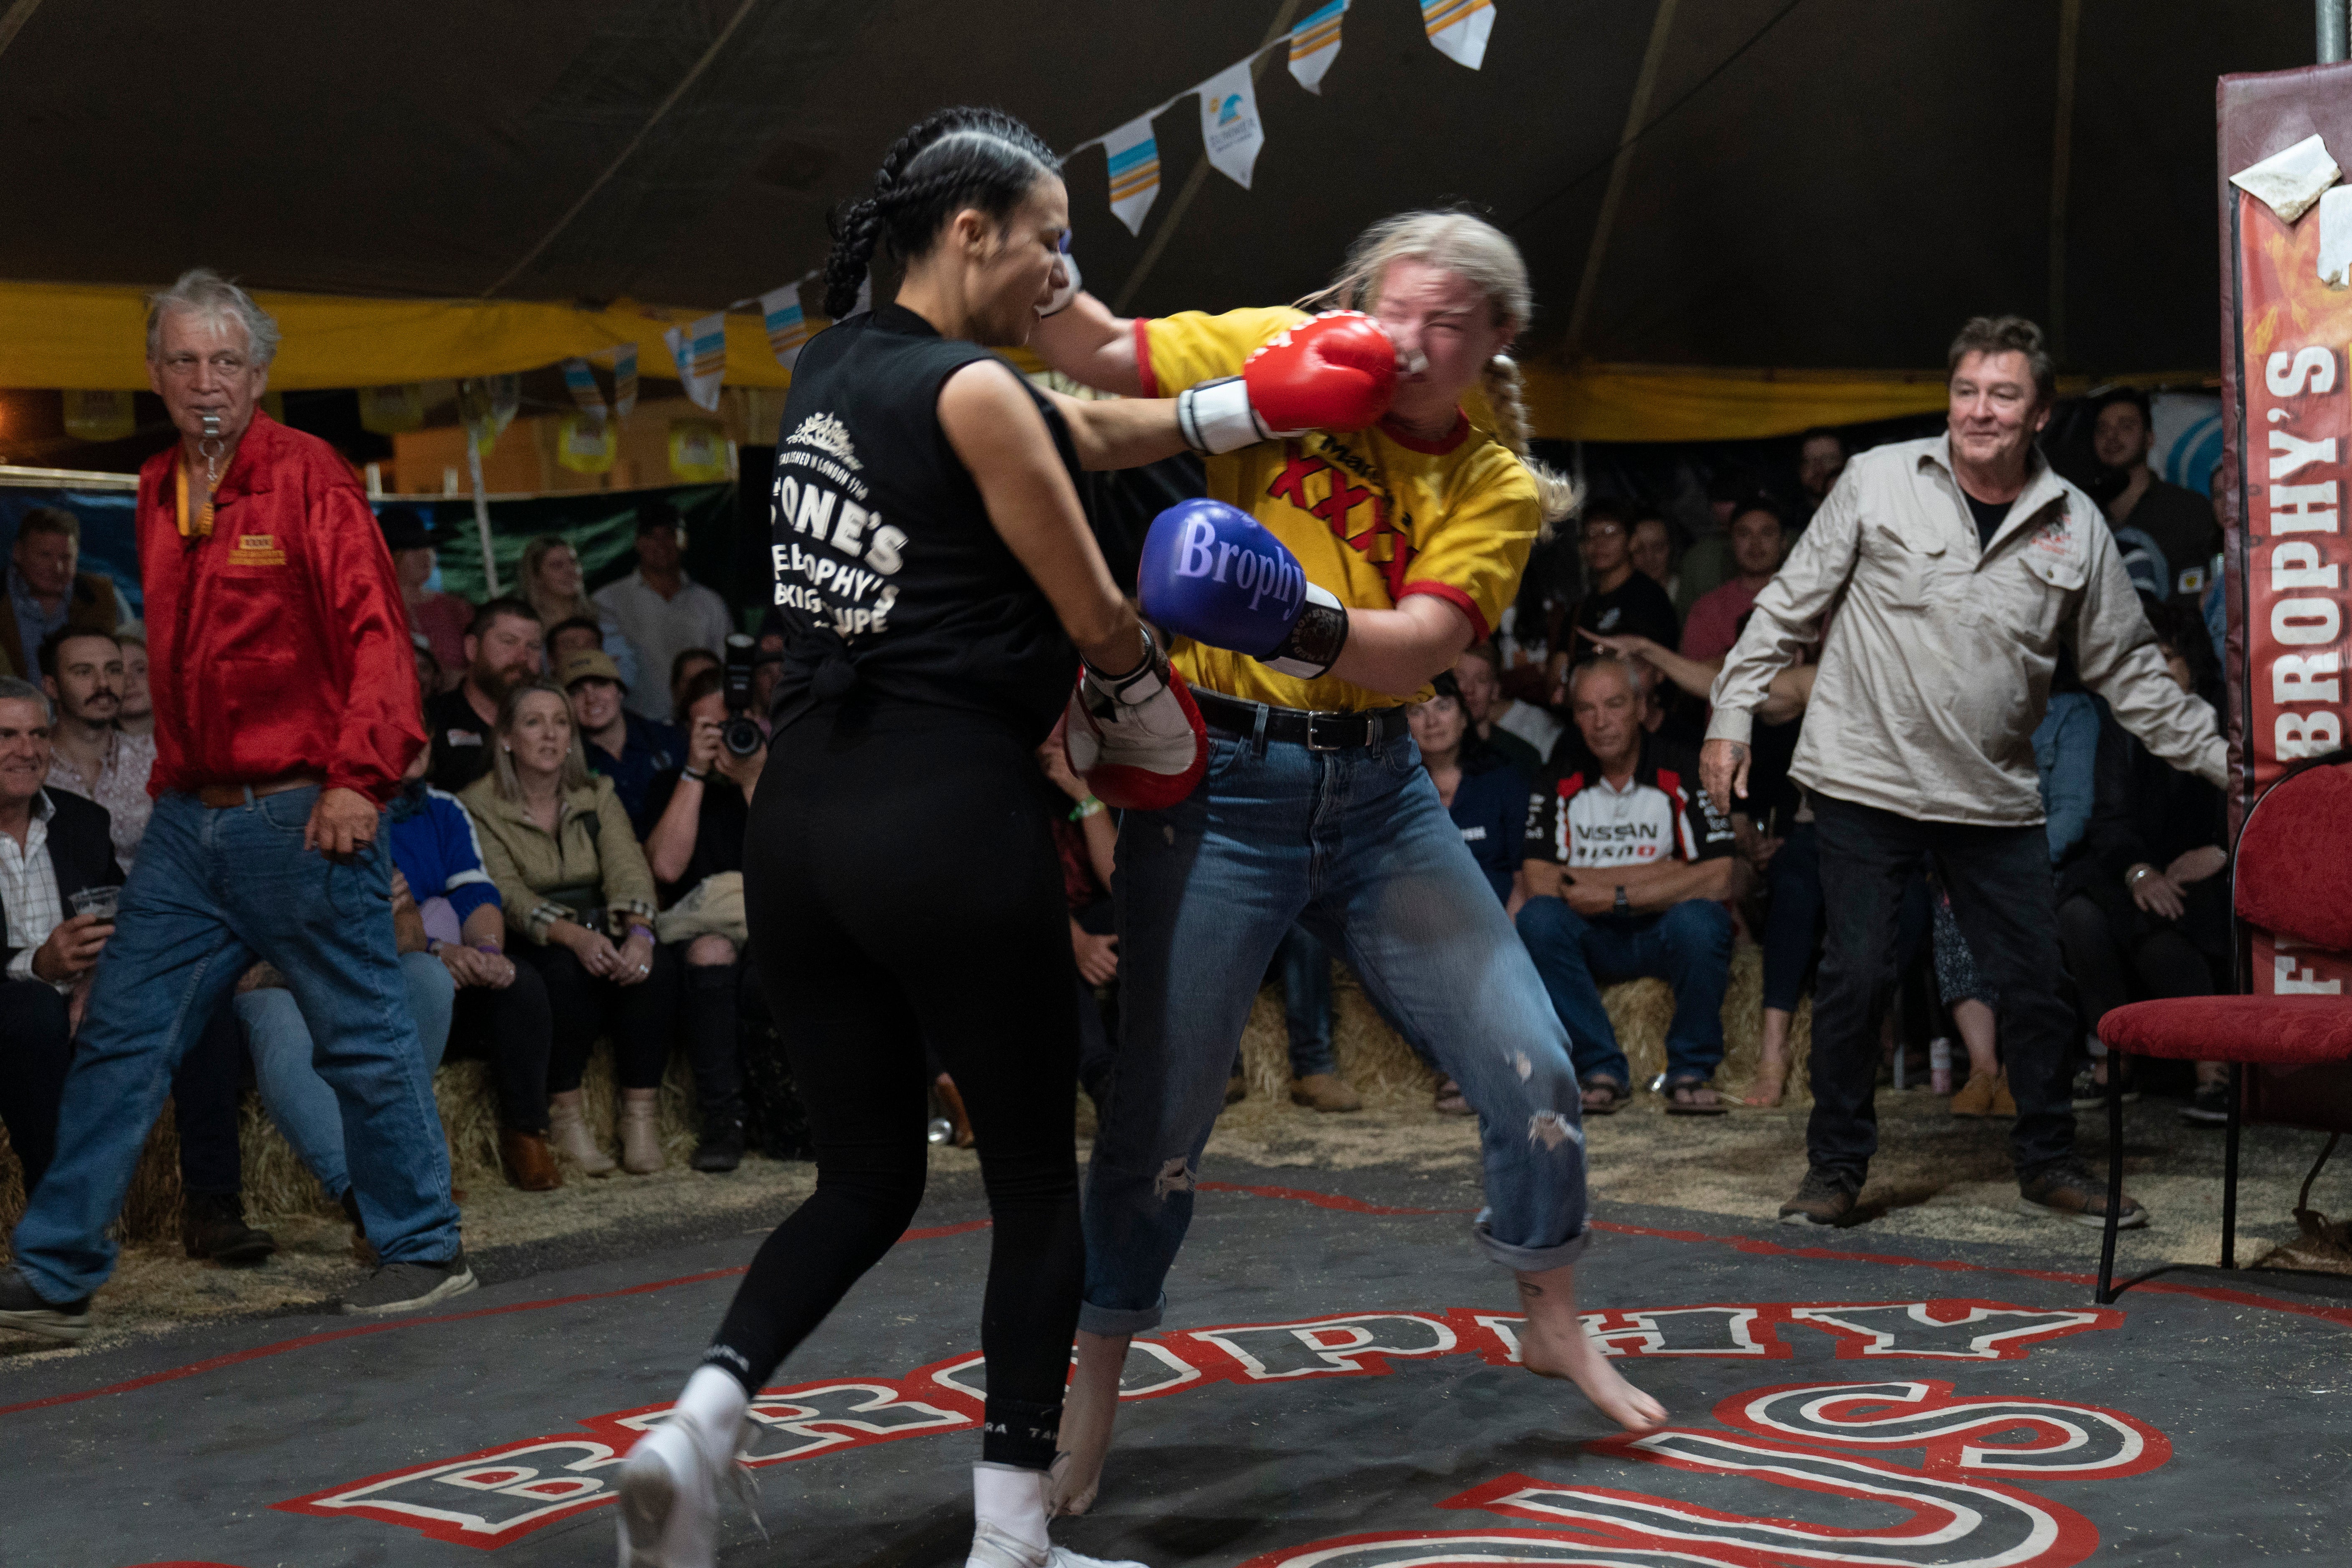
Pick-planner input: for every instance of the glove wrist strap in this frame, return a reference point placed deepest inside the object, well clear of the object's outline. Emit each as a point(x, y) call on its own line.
point(1138, 685)
point(1215, 417)
point(1313, 643)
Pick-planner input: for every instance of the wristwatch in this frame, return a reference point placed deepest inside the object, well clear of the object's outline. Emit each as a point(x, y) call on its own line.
point(1624, 904)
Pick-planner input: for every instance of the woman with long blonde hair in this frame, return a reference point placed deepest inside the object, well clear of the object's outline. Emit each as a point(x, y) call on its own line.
point(557, 589)
point(1314, 808)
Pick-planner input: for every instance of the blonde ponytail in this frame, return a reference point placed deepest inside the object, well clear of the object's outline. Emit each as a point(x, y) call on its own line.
point(1556, 493)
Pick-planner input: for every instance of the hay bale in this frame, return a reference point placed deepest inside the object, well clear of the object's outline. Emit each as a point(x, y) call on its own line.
point(1384, 1070)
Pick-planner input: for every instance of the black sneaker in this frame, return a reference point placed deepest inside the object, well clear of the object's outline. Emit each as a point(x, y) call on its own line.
point(2209, 1108)
point(212, 1225)
point(21, 1309)
point(406, 1286)
point(721, 1148)
point(2068, 1191)
point(2090, 1094)
point(1823, 1199)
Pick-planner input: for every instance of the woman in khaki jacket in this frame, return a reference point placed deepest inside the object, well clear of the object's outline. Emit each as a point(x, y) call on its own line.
point(579, 902)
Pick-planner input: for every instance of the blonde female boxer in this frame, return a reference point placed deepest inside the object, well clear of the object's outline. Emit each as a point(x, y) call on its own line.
point(1411, 534)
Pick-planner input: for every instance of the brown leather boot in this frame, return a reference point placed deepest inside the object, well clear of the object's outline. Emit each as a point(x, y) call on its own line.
point(530, 1163)
point(567, 1130)
point(641, 1150)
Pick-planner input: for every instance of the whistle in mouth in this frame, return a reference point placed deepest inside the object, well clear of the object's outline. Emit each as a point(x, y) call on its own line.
point(212, 425)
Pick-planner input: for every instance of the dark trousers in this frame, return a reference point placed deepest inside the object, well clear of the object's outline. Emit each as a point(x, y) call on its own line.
point(2148, 956)
point(1998, 880)
point(582, 1005)
point(711, 1022)
point(205, 1090)
point(33, 1072)
point(510, 1028)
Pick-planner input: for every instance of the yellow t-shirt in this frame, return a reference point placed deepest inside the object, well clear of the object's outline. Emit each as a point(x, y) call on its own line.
point(1372, 515)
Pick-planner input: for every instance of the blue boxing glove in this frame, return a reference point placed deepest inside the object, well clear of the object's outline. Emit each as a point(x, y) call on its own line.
point(1212, 572)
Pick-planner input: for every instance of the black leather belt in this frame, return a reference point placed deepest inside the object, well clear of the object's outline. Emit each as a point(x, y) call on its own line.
point(1318, 731)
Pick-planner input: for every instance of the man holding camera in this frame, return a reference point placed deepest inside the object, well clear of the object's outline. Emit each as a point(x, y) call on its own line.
point(700, 814)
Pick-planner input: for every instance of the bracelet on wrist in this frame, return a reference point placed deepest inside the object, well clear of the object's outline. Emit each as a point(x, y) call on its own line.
point(1086, 808)
point(489, 947)
point(635, 927)
point(690, 774)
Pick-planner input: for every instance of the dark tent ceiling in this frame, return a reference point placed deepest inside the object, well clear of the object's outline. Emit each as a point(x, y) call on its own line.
point(1831, 182)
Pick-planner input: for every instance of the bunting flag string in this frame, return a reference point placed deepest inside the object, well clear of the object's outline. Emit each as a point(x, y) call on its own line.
point(788, 326)
point(1315, 44)
point(1134, 156)
point(1230, 132)
point(581, 381)
point(700, 352)
point(624, 380)
point(1458, 28)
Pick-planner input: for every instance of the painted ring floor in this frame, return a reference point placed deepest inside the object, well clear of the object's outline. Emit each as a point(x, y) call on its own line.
point(1333, 1388)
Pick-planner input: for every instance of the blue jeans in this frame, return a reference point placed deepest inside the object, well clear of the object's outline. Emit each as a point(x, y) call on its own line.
point(1305, 966)
point(296, 1097)
point(213, 892)
point(1687, 946)
point(1355, 845)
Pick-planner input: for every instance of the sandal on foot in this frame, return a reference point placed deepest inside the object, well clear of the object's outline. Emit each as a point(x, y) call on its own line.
point(1602, 1095)
point(1684, 1098)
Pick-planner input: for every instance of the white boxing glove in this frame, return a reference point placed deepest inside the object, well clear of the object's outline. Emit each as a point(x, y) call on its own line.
point(1136, 738)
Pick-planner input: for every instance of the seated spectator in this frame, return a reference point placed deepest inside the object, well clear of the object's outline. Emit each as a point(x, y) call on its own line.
point(1519, 732)
point(1486, 796)
point(625, 747)
point(503, 652)
point(1086, 838)
point(462, 989)
point(699, 814)
point(1821, 458)
point(2174, 528)
point(1652, 548)
point(2143, 906)
point(580, 634)
point(568, 869)
point(661, 610)
point(430, 677)
point(1620, 601)
point(1627, 865)
point(55, 849)
point(137, 714)
point(552, 582)
point(1713, 625)
point(439, 618)
point(1975, 1008)
point(2065, 757)
point(689, 663)
point(46, 594)
point(83, 672)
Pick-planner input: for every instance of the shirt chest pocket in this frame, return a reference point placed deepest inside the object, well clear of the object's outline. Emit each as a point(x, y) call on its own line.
point(1905, 567)
point(2027, 595)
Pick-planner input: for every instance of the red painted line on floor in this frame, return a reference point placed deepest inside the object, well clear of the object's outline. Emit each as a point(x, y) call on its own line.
point(261, 1353)
point(1317, 1200)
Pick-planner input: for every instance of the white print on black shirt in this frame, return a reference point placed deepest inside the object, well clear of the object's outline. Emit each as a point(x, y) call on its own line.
point(844, 583)
point(1590, 824)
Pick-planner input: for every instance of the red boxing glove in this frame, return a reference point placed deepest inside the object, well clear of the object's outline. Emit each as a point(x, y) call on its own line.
point(1138, 739)
point(1336, 371)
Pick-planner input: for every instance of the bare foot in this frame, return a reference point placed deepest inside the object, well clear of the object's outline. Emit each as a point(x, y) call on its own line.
point(1089, 1416)
point(1553, 1344)
point(1770, 1082)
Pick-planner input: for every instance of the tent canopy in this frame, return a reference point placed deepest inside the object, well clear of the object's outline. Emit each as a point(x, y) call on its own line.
point(1828, 185)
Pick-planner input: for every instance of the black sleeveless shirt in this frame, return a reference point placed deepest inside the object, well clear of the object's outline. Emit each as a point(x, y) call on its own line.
point(889, 579)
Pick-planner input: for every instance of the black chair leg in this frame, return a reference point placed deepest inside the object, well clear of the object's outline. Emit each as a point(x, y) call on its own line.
point(2229, 1170)
point(2114, 1177)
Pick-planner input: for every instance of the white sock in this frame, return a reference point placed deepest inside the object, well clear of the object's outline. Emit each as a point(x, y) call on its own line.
point(717, 1403)
point(1014, 1500)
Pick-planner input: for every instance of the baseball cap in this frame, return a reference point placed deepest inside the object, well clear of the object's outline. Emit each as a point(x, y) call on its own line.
point(405, 528)
point(589, 664)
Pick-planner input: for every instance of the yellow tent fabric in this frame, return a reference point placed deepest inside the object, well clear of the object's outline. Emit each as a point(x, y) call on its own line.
point(93, 336)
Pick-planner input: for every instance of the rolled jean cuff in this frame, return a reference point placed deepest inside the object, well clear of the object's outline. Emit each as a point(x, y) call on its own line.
point(1109, 1322)
point(1529, 1259)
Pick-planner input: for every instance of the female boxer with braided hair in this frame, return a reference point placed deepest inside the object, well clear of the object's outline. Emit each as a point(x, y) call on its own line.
point(1314, 808)
point(938, 587)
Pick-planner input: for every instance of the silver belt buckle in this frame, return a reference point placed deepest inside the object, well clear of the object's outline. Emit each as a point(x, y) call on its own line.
point(1314, 718)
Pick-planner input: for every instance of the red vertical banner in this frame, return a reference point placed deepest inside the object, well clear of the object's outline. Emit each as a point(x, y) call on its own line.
point(2287, 413)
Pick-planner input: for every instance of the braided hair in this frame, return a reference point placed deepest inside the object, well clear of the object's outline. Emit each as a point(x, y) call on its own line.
point(948, 160)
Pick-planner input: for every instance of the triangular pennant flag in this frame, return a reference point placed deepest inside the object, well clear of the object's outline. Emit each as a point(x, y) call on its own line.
point(788, 326)
point(581, 382)
point(1315, 44)
point(1230, 131)
point(700, 352)
point(1134, 156)
point(1459, 29)
point(624, 380)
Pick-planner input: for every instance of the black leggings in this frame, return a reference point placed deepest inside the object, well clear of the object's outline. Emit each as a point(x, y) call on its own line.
point(900, 884)
point(508, 1028)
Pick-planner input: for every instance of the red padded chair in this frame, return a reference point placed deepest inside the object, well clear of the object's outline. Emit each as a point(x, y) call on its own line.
point(2290, 875)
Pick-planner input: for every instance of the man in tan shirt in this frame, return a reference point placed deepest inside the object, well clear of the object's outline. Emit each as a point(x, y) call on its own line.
point(1958, 565)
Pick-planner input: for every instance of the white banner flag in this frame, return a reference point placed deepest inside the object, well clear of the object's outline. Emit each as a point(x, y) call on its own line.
point(1459, 29)
point(1315, 44)
point(1230, 131)
point(1134, 156)
point(700, 352)
point(582, 384)
point(788, 327)
point(624, 380)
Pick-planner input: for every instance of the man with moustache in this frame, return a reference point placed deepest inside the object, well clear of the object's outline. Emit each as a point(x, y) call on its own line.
point(503, 649)
point(84, 674)
point(285, 692)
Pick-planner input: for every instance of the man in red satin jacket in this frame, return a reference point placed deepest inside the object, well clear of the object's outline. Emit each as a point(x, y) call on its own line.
point(286, 712)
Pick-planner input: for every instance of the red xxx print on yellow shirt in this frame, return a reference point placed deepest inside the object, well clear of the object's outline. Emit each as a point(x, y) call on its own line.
point(1339, 503)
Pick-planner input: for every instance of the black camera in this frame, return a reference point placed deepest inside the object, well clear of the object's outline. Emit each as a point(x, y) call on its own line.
point(741, 734)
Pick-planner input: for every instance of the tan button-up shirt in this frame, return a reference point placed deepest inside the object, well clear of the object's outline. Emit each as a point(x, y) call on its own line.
point(1938, 661)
